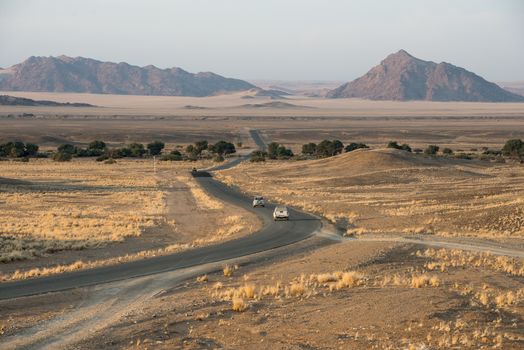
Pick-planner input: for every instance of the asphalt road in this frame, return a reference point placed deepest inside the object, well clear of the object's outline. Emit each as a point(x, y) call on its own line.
point(273, 235)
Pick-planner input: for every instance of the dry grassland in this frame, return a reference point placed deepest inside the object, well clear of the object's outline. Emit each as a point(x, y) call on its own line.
point(51, 207)
point(390, 191)
point(358, 295)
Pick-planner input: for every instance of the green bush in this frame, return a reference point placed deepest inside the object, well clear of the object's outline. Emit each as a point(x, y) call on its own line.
point(62, 157)
point(155, 147)
point(258, 156)
point(309, 148)
point(513, 148)
point(353, 146)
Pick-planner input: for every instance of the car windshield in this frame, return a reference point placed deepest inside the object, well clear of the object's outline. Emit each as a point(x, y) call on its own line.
point(258, 198)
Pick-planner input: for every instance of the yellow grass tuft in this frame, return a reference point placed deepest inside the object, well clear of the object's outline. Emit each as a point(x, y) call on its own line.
point(238, 304)
point(228, 271)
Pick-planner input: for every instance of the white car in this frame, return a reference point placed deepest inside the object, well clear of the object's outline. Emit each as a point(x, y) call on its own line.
point(259, 201)
point(280, 213)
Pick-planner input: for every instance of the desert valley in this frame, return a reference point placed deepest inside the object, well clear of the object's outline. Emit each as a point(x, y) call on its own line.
point(146, 207)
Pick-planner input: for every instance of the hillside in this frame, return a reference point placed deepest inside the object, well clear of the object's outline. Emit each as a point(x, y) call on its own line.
point(403, 77)
point(67, 74)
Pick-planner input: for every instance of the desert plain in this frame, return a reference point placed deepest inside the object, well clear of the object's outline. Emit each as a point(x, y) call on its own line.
point(415, 251)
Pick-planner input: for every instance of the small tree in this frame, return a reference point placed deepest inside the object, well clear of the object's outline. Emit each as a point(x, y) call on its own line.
point(309, 148)
point(155, 147)
point(97, 146)
point(136, 150)
point(224, 148)
point(258, 156)
point(66, 148)
point(283, 152)
point(393, 144)
point(31, 149)
point(431, 150)
point(513, 148)
point(62, 157)
point(353, 146)
point(200, 146)
point(272, 150)
point(447, 151)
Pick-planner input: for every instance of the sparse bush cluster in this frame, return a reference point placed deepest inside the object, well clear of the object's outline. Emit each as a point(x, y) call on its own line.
point(18, 149)
point(199, 150)
point(395, 145)
point(329, 148)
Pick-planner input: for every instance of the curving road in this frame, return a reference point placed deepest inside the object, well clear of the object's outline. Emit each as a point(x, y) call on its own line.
point(273, 235)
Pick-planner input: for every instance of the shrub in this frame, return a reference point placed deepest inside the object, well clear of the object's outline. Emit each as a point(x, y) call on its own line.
point(309, 148)
point(353, 146)
point(431, 150)
point(395, 145)
point(155, 147)
point(110, 161)
point(447, 151)
point(223, 148)
point(66, 148)
point(328, 148)
point(258, 156)
point(62, 157)
point(513, 148)
point(218, 158)
point(97, 146)
point(134, 150)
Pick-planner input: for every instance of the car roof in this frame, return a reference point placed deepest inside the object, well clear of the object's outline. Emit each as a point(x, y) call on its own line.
point(281, 207)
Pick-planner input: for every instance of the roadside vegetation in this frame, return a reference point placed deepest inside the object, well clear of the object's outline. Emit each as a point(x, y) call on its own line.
point(17, 150)
point(513, 150)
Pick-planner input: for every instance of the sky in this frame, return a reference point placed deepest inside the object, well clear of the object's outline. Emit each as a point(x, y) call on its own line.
point(270, 39)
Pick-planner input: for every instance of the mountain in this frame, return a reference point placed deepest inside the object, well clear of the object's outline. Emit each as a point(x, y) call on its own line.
point(68, 74)
point(6, 100)
point(404, 77)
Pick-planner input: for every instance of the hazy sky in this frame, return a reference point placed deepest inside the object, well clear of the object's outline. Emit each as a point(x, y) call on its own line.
point(270, 39)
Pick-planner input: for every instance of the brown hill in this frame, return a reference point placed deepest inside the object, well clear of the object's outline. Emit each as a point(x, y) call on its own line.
point(404, 77)
point(67, 74)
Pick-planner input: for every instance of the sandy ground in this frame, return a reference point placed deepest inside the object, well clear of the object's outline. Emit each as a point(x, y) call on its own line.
point(235, 105)
point(85, 189)
point(388, 306)
point(396, 192)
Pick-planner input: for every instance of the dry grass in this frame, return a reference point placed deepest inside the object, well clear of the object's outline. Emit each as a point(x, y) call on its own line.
point(390, 191)
point(203, 200)
point(443, 259)
point(49, 206)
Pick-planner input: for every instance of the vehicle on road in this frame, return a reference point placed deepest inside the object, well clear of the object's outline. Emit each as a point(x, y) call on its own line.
point(280, 213)
point(259, 201)
point(194, 171)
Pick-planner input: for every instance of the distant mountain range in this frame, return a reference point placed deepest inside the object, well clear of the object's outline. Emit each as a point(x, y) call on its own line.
point(404, 77)
point(78, 74)
point(6, 100)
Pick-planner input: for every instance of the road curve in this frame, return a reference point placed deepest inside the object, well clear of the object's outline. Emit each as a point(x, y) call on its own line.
point(272, 235)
